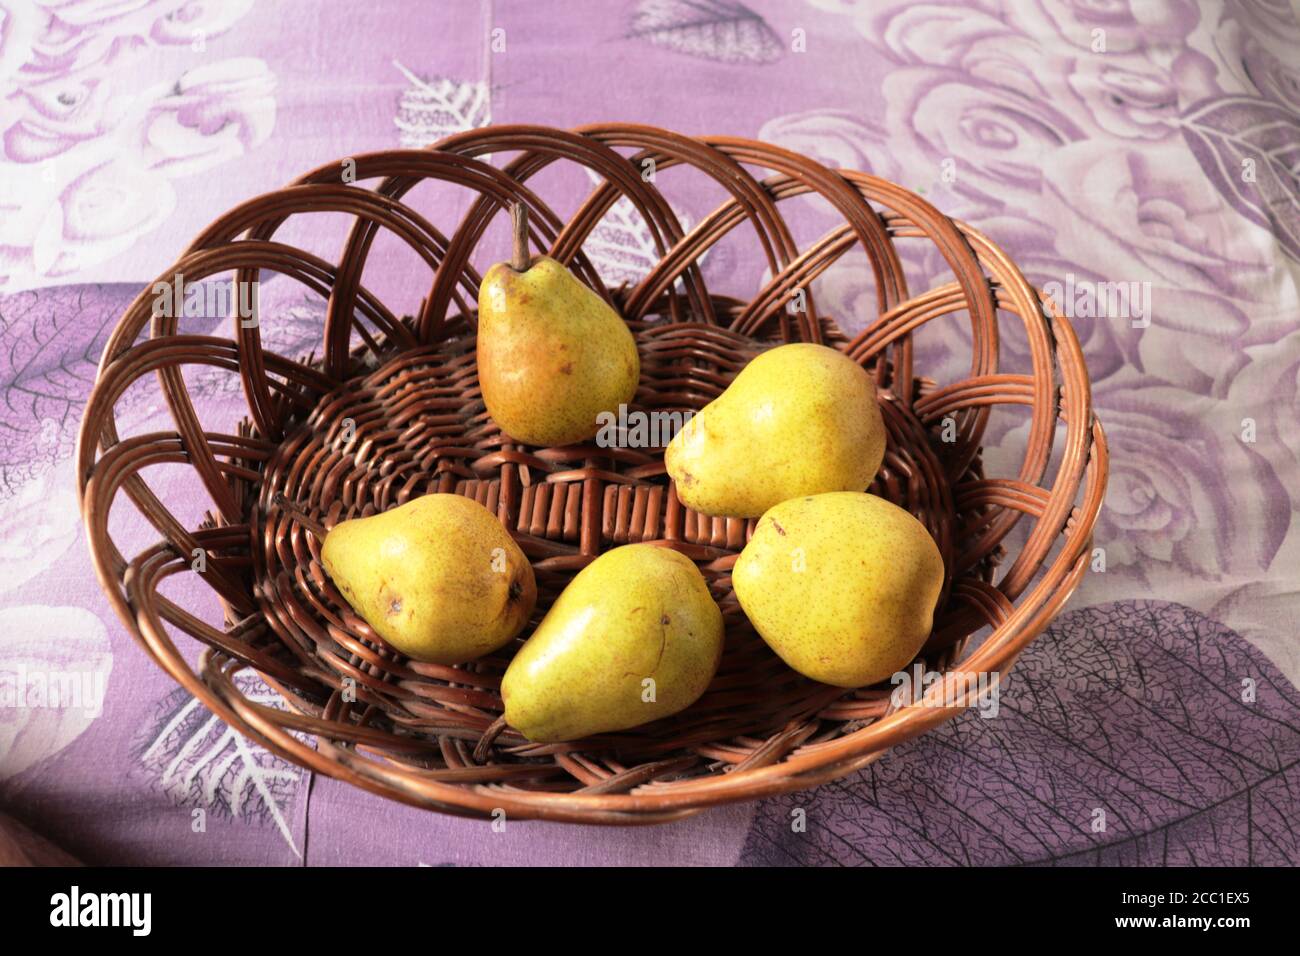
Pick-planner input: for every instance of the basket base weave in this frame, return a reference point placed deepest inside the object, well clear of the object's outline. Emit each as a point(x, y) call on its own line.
point(417, 425)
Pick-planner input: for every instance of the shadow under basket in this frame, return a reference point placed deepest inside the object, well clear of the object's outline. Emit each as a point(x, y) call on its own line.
point(392, 410)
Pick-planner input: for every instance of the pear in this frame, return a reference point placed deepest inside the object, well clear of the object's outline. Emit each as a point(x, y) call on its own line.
point(841, 585)
point(634, 637)
point(552, 354)
point(437, 578)
point(799, 419)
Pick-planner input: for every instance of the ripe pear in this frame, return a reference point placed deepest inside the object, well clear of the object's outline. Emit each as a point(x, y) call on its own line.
point(552, 354)
point(634, 637)
point(438, 578)
point(841, 585)
point(799, 419)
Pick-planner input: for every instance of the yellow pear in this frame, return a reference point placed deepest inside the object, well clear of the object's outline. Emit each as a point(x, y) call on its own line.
point(799, 419)
point(552, 354)
point(841, 585)
point(438, 578)
point(634, 637)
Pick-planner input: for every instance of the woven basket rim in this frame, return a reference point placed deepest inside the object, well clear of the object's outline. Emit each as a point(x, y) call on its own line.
point(1032, 590)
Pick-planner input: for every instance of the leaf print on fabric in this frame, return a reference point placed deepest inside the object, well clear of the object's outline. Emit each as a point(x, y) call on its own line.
point(199, 761)
point(621, 246)
point(434, 107)
point(50, 343)
point(54, 668)
point(51, 340)
point(1132, 733)
point(720, 30)
point(1250, 149)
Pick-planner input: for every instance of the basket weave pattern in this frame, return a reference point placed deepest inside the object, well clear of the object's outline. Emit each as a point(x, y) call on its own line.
point(392, 410)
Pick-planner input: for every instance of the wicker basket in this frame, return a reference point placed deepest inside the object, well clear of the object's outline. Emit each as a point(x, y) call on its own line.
point(371, 425)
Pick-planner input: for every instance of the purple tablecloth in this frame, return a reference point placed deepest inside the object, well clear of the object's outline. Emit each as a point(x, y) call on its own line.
point(1151, 144)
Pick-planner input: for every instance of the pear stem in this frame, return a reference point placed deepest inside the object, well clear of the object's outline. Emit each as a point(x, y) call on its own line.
point(520, 259)
point(485, 742)
point(304, 519)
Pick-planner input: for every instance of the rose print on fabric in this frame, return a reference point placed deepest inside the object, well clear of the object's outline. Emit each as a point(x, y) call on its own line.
point(1160, 163)
point(39, 521)
point(213, 114)
point(96, 155)
point(1187, 495)
point(78, 33)
point(54, 668)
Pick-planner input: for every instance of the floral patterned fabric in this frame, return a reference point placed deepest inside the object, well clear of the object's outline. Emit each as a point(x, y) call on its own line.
point(1139, 159)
